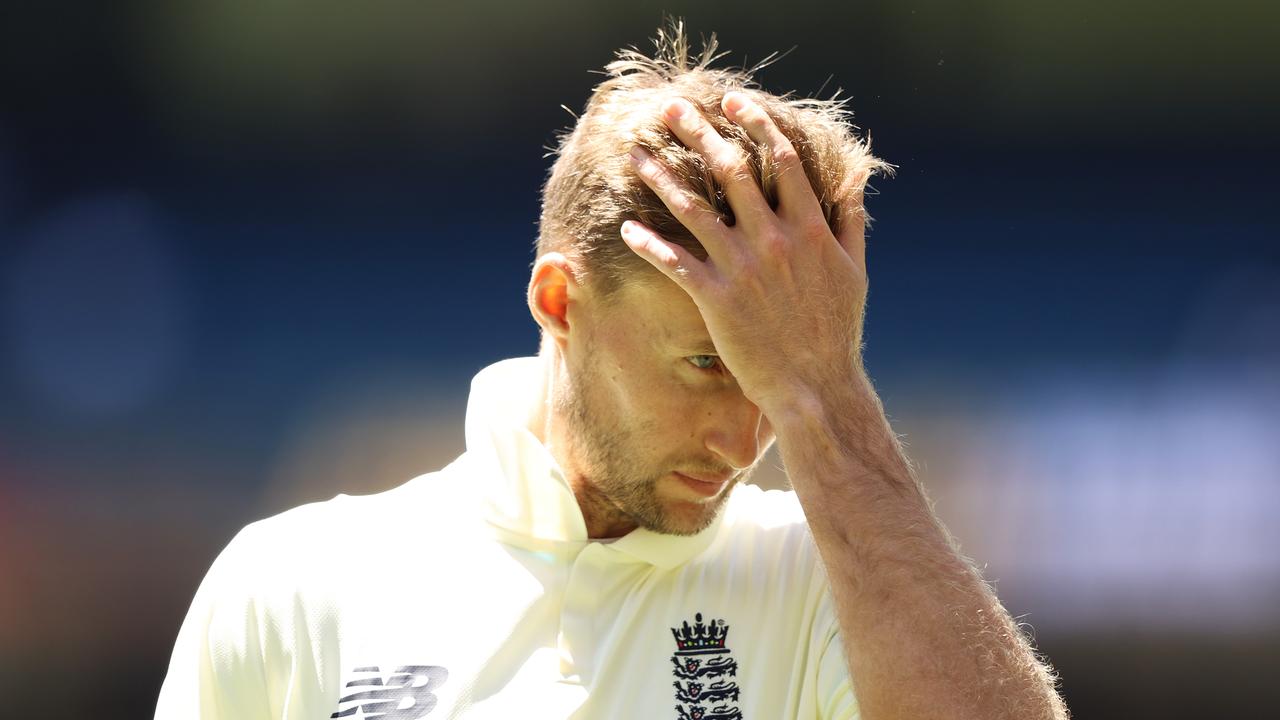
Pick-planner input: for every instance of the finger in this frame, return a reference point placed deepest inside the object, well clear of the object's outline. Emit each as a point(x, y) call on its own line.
point(726, 161)
point(692, 212)
point(795, 194)
point(853, 229)
point(670, 259)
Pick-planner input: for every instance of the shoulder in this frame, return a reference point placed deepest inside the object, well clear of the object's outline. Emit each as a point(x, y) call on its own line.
point(298, 567)
point(303, 545)
point(339, 519)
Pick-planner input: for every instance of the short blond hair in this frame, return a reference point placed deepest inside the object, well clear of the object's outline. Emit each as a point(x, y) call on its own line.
point(592, 188)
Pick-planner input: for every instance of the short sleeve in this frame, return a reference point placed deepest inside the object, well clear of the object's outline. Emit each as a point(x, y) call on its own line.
point(217, 669)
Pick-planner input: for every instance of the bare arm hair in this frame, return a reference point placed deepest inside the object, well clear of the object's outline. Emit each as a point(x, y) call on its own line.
point(925, 635)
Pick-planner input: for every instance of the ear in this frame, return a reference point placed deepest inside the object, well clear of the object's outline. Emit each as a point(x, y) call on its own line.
point(553, 286)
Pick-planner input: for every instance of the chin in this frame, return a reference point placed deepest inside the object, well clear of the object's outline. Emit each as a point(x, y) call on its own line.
point(686, 517)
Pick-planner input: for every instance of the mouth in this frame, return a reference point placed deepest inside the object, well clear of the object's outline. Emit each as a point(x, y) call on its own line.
point(704, 485)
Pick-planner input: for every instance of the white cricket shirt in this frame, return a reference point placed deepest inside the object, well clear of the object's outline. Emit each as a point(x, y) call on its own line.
point(473, 592)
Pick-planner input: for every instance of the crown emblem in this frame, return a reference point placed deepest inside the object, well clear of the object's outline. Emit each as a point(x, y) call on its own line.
point(701, 637)
point(704, 690)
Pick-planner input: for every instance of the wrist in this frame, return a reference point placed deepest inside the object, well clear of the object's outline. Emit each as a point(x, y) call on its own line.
point(837, 440)
point(806, 406)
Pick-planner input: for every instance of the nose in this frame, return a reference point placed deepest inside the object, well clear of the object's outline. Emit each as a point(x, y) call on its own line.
point(737, 432)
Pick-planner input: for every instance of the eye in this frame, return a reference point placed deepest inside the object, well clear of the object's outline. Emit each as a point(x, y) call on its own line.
point(704, 362)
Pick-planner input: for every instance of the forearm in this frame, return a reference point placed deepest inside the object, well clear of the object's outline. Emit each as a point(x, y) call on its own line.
point(924, 635)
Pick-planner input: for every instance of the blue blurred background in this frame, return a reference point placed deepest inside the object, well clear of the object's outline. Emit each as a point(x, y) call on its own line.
point(251, 254)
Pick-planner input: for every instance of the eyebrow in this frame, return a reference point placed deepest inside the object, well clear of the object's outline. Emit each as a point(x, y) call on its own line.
point(701, 346)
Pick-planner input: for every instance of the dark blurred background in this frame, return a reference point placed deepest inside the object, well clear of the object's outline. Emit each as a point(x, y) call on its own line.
point(252, 252)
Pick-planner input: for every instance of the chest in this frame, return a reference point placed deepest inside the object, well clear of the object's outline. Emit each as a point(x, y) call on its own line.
point(516, 633)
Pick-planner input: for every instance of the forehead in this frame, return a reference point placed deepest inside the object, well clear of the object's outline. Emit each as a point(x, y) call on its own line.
point(668, 313)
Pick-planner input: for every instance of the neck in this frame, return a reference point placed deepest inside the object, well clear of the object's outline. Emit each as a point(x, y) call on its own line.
point(602, 518)
point(540, 417)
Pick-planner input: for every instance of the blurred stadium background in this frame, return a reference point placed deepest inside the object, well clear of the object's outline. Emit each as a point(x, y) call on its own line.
point(251, 254)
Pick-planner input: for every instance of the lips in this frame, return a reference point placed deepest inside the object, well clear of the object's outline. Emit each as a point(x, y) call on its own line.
point(707, 478)
point(705, 488)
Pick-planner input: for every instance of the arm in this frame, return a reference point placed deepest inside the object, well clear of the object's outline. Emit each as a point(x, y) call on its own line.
point(926, 637)
point(783, 300)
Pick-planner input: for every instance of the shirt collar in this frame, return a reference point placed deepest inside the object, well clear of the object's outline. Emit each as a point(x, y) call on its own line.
point(524, 495)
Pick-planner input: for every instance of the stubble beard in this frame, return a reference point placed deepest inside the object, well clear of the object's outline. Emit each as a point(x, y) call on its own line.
point(616, 491)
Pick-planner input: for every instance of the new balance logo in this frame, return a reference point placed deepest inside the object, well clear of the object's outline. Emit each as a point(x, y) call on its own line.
point(405, 695)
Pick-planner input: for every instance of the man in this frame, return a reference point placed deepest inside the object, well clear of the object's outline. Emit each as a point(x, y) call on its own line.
point(700, 287)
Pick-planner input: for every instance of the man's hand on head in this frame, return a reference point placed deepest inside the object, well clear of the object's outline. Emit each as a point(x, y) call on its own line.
point(781, 295)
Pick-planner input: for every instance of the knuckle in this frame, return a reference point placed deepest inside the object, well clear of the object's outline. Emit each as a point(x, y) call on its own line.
point(685, 205)
point(650, 172)
point(687, 276)
point(814, 226)
point(774, 244)
point(754, 116)
point(703, 133)
point(737, 170)
point(785, 154)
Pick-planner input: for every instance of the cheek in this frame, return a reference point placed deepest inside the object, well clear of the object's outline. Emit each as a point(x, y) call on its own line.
point(672, 414)
point(622, 393)
point(654, 403)
point(625, 369)
point(644, 385)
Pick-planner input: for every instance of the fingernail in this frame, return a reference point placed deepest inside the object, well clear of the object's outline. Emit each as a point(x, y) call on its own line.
point(638, 154)
point(733, 102)
point(629, 233)
point(674, 109)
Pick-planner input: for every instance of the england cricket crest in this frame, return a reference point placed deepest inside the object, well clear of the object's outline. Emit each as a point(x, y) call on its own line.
point(702, 668)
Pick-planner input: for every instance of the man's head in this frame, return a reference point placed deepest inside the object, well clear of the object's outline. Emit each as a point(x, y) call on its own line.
point(641, 406)
point(592, 188)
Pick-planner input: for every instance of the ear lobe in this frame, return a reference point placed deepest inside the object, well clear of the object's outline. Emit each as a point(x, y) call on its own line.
point(549, 289)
